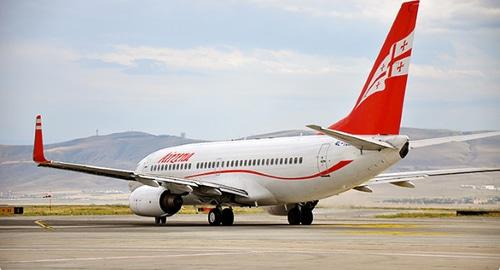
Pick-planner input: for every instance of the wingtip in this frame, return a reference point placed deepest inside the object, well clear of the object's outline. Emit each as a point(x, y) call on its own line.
point(38, 152)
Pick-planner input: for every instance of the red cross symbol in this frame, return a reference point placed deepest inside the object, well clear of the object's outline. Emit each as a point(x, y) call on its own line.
point(400, 66)
point(404, 45)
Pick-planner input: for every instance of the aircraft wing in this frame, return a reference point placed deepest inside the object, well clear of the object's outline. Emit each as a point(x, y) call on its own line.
point(175, 184)
point(403, 179)
point(458, 138)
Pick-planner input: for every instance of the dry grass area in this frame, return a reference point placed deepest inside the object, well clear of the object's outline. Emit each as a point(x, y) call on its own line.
point(444, 214)
point(419, 215)
point(76, 210)
point(90, 210)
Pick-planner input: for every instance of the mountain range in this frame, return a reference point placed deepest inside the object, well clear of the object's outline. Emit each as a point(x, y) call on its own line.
point(123, 150)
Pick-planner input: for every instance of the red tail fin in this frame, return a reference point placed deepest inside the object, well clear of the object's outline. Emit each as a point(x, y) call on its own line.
point(38, 155)
point(380, 105)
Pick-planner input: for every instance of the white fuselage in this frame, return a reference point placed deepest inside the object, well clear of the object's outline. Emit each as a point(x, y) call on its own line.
point(275, 170)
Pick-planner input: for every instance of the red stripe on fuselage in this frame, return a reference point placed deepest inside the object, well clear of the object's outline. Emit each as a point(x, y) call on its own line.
point(334, 168)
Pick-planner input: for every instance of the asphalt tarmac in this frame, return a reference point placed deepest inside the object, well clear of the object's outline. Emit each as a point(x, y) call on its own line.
point(338, 239)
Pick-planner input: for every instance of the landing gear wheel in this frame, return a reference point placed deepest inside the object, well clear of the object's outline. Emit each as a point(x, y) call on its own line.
point(157, 220)
point(215, 217)
point(294, 216)
point(227, 217)
point(163, 220)
point(306, 216)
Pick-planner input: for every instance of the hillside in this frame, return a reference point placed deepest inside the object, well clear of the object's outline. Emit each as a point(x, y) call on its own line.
point(123, 150)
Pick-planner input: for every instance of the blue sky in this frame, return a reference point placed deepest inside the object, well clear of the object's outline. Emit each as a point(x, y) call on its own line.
point(225, 69)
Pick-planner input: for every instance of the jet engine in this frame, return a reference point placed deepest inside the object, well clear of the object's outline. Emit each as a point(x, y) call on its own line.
point(154, 202)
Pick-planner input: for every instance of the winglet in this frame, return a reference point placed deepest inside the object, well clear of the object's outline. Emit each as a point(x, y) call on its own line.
point(38, 155)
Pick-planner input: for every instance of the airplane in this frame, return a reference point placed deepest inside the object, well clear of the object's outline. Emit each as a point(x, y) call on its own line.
point(288, 175)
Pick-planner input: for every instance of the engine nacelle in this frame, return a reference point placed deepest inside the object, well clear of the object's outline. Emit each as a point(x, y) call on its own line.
point(154, 202)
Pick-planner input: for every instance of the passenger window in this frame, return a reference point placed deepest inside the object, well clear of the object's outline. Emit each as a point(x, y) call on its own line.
point(286, 159)
point(281, 161)
point(300, 160)
point(244, 163)
point(254, 162)
point(295, 161)
point(272, 161)
point(258, 162)
point(290, 160)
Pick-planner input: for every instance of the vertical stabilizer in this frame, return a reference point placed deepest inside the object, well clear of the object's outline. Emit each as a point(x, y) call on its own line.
point(379, 107)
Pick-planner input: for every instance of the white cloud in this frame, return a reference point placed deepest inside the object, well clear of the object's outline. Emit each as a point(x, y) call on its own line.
point(434, 72)
point(223, 58)
point(357, 9)
point(443, 15)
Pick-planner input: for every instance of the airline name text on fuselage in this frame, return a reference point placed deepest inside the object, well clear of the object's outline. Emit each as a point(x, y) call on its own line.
point(174, 157)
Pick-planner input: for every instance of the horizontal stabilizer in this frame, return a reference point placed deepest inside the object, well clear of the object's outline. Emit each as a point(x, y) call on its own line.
point(360, 142)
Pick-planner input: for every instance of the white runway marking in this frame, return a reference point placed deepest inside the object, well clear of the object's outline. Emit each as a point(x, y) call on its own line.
point(243, 252)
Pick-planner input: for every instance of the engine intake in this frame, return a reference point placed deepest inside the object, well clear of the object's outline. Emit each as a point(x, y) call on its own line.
point(170, 203)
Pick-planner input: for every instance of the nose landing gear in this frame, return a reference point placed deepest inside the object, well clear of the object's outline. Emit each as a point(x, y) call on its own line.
point(160, 220)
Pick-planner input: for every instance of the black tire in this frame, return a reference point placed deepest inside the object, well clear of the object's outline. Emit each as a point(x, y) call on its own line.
point(294, 216)
point(157, 220)
point(214, 217)
point(306, 216)
point(163, 220)
point(227, 217)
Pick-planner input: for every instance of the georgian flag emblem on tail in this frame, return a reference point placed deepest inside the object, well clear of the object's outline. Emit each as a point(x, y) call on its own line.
point(393, 65)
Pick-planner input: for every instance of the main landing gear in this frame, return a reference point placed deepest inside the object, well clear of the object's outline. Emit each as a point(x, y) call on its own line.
point(160, 220)
point(216, 216)
point(302, 213)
